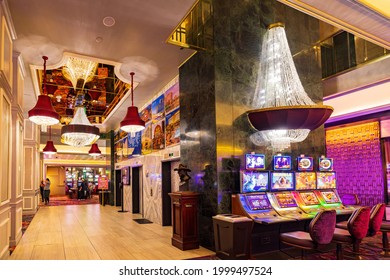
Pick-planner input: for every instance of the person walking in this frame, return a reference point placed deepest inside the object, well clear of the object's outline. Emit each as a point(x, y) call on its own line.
point(47, 191)
point(41, 187)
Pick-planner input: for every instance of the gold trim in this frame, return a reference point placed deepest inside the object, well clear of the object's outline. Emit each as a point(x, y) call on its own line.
point(314, 12)
point(374, 8)
point(276, 24)
point(179, 24)
point(281, 108)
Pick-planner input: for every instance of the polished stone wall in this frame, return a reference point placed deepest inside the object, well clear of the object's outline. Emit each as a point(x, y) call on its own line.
point(217, 88)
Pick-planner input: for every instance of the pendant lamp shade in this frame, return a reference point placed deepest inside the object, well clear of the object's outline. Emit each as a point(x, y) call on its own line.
point(43, 113)
point(49, 149)
point(94, 151)
point(132, 122)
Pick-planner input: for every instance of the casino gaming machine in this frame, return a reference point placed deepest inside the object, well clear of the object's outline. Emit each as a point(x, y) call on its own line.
point(280, 190)
point(253, 201)
point(326, 188)
point(305, 185)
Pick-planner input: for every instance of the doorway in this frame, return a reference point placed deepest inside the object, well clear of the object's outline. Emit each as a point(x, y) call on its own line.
point(135, 188)
point(166, 180)
point(118, 187)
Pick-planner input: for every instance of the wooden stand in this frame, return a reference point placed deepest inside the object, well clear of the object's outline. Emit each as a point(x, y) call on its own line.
point(185, 220)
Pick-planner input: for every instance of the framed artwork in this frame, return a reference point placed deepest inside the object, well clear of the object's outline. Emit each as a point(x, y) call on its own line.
point(146, 113)
point(172, 128)
point(146, 139)
point(158, 108)
point(158, 136)
point(171, 98)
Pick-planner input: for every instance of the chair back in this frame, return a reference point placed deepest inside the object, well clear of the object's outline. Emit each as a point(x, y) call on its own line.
point(350, 199)
point(358, 222)
point(322, 227)
point(376, 217)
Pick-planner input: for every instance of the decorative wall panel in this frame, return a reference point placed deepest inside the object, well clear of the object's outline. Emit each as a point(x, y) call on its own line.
point(357, 160)
point(4, 232)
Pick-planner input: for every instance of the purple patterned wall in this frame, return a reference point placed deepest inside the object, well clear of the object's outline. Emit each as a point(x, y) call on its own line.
point(357, 160)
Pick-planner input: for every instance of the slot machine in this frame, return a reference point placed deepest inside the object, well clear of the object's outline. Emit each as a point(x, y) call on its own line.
point(327, 193)
point(253, 201)
point(281, 196)
point(305, 185)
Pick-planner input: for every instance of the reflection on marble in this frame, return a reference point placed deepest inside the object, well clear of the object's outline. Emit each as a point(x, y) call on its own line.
point(216, 88)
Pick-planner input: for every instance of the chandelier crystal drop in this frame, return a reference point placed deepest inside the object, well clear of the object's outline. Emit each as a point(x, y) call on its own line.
point(79, 132)
point(286, 113)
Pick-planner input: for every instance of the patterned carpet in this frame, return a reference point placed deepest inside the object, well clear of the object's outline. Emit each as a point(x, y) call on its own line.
point(65, 200)
point(371, 249)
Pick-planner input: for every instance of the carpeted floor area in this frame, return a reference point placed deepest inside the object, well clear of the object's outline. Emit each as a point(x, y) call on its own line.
point(65, 200)
point(371, 249)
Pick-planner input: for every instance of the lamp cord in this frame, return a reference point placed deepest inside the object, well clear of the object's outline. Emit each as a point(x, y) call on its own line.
point(44, 74)
point(132, 101)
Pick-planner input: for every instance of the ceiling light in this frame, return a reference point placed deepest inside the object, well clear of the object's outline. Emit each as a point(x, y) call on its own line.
point(77, 69)
point(94, 151)
point(49, 149)
point(132, 122)
point(43, 113)
point(108, 21)
point(79, 132)
point(286, 114)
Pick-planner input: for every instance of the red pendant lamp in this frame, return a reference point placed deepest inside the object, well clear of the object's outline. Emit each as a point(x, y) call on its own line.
point(43, 113)
point(49, 149)
point(132, 122)
point(94, 151)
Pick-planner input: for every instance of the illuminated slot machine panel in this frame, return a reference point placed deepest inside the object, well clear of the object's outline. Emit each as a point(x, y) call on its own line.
point(285, 205)
point(305, 184)
point(327, 194)
point(257, 207)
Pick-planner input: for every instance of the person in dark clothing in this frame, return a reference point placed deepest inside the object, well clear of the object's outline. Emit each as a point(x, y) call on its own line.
point(41, 190)
point(46, 190)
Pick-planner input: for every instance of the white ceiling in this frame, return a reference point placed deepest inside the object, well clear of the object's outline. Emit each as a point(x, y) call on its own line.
point(137, 40)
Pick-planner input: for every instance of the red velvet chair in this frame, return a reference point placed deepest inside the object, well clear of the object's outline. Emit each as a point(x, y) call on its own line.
point(320, 233)
point(357, 229)
point(376, 216)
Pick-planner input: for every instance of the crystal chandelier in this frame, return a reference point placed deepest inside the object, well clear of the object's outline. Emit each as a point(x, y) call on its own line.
point(79, 132)
point(286, 113)
point(79, 69)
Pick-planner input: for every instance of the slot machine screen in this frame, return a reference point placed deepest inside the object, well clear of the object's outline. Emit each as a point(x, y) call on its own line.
point(282, 181)
point(330, 197)
point(305, 163)
point(305, 181)
point(309, 198)
point(325, 164)
point(258, 202)
point(254, 162)
point(282, 163)
point(254, 181)
point(285, 200)
point(326, 180)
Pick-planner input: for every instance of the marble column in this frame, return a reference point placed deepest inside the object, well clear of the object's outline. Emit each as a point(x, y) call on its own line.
point(216, 89)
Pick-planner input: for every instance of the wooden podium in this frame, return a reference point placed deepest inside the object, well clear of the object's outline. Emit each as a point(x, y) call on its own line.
point(185, 220)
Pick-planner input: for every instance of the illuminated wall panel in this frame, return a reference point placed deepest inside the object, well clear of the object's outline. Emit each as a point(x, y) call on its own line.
point(357, 161)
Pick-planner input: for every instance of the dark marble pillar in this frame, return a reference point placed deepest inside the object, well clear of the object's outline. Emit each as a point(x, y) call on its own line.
point(217, 88)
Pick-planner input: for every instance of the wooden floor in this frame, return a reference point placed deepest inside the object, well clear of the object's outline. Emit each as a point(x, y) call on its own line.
point(95, 232)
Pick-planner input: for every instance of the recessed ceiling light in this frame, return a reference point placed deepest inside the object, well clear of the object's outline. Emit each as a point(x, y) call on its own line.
point(99, 39)
point(108, 21)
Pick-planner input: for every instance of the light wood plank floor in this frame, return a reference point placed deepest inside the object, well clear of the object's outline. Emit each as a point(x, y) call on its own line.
point(95, 232)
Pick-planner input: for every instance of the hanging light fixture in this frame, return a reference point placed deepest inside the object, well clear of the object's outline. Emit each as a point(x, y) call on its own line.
point(286, 114)
point(94, 151)
point(49, 149)
point(79, 132)
point(43, 113)
point(132, 122)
